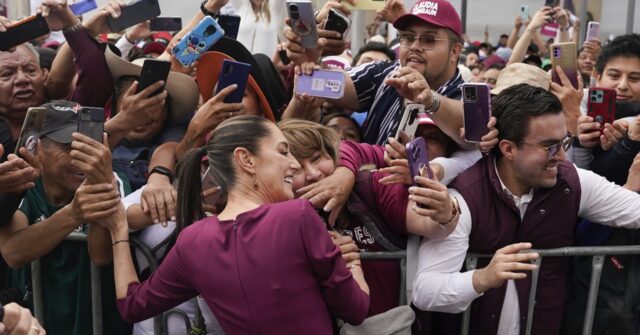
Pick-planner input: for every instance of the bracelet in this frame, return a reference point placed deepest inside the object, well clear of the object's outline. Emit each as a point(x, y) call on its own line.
point(454, 212)
point(435, 103)
point(206, 12)
point(351, 266)
point(76, 27)
point(119, 241)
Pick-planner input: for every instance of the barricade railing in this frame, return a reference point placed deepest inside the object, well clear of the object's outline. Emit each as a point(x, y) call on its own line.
point(598, 255)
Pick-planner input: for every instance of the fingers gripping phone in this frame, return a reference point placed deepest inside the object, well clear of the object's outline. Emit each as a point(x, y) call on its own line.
point(303, 22)
point(198, 41)
point(134, 13)
point(233, 73)
point(410, 121)
point(564, 55)
point(477, 110)
point(91, 122)
point(31, 128)
point(153, 71)
point(601, 105)
point(337, 21)
point(322, 83)
point(418, 159)
point(23, 31)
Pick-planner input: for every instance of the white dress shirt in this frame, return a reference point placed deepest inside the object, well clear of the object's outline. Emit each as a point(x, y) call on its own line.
point(440, 287)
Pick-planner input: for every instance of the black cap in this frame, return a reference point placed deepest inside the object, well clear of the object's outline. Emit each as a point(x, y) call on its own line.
point(61, 121)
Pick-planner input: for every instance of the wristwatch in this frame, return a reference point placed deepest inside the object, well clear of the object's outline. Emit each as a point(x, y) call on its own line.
point(163, 171)
point(435, 105)
point(206, 12)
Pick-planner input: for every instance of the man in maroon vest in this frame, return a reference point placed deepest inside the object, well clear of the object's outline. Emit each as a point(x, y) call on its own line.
point(523, 195)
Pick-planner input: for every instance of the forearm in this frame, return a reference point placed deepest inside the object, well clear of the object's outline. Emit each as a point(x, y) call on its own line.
point(192, 139)
point(137, 218)
point(99, 245)
point(123, 271)
point(358, 276)
point(426, 226)
point(513, 38)
point(297, 109)
point(41, 238)
point(60, 81)
point(165, 156)
point(542, 46)
point(520, 48)
point(9, 203)
point(563, 36)
point(444, 292)
point(118, 128)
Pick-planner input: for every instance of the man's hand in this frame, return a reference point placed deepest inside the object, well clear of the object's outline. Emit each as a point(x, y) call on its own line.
point(411, 85)
point(392, 10)
point(296, 53)
point(634, 130)
point(92, 158)
point(139, 32)
point(517, 22)
point(57, 14)
point(18, 174)
point(613, 133)
point(561, 16)
point(541, 17)
point(507, 263)
point(633, 179)
point(159, 199)
point(434, 197)
point(94, 201)
point(97, 24)
point(136, 109)
point(19, 321)
point(593, 46)
point(348, 248)
point(213, 112)
point(569, 97)
point(324, 12)
point(397, 165)
point(330, 193)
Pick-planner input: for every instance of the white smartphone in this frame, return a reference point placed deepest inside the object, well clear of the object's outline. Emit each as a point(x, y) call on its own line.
point(593, 30)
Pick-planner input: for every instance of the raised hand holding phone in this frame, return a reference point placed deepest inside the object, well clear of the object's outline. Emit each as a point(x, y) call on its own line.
point(92, 158)
point(23, 31)
point(198, 41)
point(477, 111)
point(233, 73)
point(134, 13)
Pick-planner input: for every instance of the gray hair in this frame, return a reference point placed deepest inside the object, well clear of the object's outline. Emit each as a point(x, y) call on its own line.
point(32, 50)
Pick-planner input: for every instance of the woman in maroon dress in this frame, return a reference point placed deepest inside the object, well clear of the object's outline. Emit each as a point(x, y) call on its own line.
point(265, 264)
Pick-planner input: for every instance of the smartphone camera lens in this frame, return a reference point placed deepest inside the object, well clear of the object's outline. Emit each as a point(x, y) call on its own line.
point(209, 31)
point(470, 93)
point(293, 8)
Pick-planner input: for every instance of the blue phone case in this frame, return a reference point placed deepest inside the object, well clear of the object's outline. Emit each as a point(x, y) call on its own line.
point(322, 83)
point(198, 41)
point(82, 7)
point(233, 73)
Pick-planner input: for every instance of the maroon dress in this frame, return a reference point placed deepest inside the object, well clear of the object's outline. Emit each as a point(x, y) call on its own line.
point(273, 270)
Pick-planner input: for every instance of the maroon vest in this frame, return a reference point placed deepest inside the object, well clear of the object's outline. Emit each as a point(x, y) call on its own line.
point(549, 222)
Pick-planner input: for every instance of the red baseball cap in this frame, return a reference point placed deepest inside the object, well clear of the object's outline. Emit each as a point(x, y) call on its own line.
point(440, 13)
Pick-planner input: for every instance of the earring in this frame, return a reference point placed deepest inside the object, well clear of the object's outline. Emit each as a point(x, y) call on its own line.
point(255, 183)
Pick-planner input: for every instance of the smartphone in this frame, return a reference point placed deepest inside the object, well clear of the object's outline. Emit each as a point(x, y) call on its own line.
point(230, 24)
point(166, 24)
point(418, 159)
point(524, 12)
point(91, 122)
point(83, 6)
point(283, 57)
point(153, 70)
point(303, 22)
point(410, 121)
point(477, 110)
point(322, 83)
point(366, 5)
point(337, 21)
point(31, 128)
point(601, 105)
point(552, 3)
point(593, 30)
point(198, 41)
point(23, 31)
point(134, 13)
point(233, 73)
point(564, 55)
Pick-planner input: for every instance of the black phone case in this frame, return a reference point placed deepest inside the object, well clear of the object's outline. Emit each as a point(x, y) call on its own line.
point(134, 13)
point(91, 122)
point(153, 71)
point(23, 31)
point(166, 24)
point(230, 24)
point(336, 23)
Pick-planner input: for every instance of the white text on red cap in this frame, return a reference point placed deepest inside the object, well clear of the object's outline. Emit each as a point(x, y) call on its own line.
point(426, 7)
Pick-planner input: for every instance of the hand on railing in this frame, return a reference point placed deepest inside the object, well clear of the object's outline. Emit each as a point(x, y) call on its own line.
point(633, 179)
point(348, 248)
point(503, 266)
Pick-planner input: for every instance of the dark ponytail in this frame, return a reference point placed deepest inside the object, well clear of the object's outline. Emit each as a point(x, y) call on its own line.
point(244, 131)
point(190, 199)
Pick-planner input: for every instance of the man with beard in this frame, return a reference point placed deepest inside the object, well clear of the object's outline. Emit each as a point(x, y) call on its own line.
point(426, 73)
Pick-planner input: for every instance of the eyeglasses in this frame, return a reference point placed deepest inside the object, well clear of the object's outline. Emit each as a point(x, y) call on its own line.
point(553, 149)
point(427, 41)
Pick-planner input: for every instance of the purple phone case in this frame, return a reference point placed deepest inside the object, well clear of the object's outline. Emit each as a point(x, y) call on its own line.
point(233, 73)
point(477, 111)
point(322, 83)
point(418, 157)
point(593, 30)
point(82, 7)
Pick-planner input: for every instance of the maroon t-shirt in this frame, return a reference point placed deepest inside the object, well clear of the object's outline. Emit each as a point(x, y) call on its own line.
point(382, 276)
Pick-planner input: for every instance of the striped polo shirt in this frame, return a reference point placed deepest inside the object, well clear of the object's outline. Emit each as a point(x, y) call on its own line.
point(383, 102)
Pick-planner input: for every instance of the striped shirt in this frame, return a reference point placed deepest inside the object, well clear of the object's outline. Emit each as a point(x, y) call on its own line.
point(383, 102)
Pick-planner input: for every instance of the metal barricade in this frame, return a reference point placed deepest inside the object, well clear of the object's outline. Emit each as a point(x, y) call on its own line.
point(471, 262)
point(96, 296)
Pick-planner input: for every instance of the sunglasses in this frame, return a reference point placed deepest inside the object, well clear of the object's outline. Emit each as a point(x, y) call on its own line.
point(553, 149)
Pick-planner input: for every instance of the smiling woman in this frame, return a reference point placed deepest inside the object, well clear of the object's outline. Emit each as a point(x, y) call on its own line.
point(263, 259)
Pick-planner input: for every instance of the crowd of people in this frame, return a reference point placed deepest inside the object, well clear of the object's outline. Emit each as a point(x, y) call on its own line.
point(255, 213)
